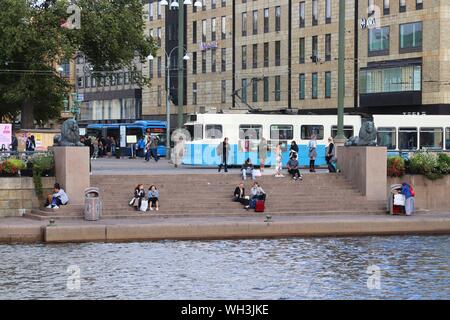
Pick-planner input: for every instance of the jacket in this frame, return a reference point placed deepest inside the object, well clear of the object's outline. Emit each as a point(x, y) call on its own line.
point(153, 194)
point(237, 193)
point(219, 149)
point(139, 193)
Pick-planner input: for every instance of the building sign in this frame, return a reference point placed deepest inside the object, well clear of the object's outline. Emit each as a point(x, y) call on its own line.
point(5, 134)
point(415, 113)
point(208, 45)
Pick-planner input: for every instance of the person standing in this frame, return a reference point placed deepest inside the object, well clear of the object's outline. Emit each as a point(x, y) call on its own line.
point(312, 153)
point(154, 147)
point(147, 142)
point(262, 150)
point(30, 144)
point(330, 155)
point(294, 149)
point(222, 151)
point(14, 143)
point(278, 161)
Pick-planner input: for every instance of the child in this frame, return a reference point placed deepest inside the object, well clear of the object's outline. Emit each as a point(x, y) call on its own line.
point(153, 195)
point(58, 198)
point(139, 194)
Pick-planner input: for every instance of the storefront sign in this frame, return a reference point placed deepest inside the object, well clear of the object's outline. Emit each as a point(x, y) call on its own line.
point(5, 134)
point(209, 45)
point(123, 136)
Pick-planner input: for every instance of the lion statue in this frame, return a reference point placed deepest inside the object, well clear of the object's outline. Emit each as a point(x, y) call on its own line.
point(367, 135)
point(70, 135)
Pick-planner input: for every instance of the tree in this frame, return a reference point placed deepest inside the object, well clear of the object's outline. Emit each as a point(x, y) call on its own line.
point(33, 42)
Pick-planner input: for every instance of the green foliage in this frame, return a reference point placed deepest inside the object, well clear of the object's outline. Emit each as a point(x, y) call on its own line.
point(32, 43)
point(428, 164)
point(11, 167)
point(40, 164)
point(444, 163)
point(395, 166)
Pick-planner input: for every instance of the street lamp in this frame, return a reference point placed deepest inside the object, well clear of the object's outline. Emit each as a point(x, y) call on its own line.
point(168, 56)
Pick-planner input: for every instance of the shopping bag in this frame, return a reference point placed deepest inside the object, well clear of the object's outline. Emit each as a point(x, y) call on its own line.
point(144, 205)
point(257, 173)
point(399, 200)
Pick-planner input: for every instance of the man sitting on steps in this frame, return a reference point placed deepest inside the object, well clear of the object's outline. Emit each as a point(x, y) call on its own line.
point(248, 169)
point(58, 198)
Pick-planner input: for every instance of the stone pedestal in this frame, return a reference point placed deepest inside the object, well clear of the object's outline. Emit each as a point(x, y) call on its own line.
point(366, 169)
point(72, 171)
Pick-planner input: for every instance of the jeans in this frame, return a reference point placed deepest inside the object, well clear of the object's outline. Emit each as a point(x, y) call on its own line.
point(246, 172)
point(224, 164)
point(294, 172)
point(154, 154)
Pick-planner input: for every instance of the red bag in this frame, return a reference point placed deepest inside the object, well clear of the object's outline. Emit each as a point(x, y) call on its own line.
point(412, 191)
point(259, 206)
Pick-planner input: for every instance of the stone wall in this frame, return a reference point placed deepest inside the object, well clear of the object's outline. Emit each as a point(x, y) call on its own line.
point(430, 194)
point(17, 195)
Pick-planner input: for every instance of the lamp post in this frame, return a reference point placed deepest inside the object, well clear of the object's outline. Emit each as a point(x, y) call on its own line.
point(168, 68)
point(340, 137)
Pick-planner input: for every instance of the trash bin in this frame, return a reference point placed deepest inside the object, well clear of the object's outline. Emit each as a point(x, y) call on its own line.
point(393, 209)
point(92, 204)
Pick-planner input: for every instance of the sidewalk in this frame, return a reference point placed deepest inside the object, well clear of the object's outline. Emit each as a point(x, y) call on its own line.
point(219, 227)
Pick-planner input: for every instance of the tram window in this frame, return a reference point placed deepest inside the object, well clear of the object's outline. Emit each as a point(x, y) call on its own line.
point(348, 131)
point(386, 137)
point(308, 130)
point(447, 138)
point(195, 131)
point(281, 132)
point(407, 138)
point(431, 138)
point(213, 131)
point(250, 131)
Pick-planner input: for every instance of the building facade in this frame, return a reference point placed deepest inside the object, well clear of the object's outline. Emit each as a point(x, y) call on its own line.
point(283, 55)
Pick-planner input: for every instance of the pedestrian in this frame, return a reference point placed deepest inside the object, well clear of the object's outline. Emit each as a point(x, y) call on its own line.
point(14, 143)
point(248, 169)
point(147, 142)
point(330, 157)
point(30, 144)
point(139, 195)
point(178, 152)
point(239, 195)
point(278, 161)
point(293, 168)
point(223, 150)
point(293, 149)
point(154, 147)
point(140, 147)
point(262, 153)
point(256, 193)
point(95, 145)
point(153, 198)
point(57, 198)
point(312, 154)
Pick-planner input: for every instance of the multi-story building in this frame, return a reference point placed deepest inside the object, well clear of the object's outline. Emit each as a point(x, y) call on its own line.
point(283, 55)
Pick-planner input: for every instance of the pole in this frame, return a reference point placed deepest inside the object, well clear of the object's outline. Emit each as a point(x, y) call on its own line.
point(341, 73)
point(168, 110)
point(180, 63)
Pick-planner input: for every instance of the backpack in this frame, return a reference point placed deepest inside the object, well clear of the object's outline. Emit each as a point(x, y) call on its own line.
point(411, 190)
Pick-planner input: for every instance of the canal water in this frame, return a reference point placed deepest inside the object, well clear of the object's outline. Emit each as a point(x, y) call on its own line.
point(397, 267)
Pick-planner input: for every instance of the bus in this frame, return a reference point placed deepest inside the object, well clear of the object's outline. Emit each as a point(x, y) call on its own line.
point(138, 129)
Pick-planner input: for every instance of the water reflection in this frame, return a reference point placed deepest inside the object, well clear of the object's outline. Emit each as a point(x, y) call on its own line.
point(311, 268)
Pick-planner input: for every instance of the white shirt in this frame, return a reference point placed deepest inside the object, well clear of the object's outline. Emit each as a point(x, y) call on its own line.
point(62, 196)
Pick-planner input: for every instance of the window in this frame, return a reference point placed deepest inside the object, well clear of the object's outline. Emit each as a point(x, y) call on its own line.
point(281, 132)
point(223, 27)
point(314, 85)
point(402, 5)
point(255, 56)
point(328, 84)
point(301, 49)
point(244, 57)
point(159, 100)
point(301, 14)
point(194, 93)
point(407, 138)
point(314, 49)
point(213, 29)
point(204, 5)
point(150, 9)
point(80, 82)
point(65, 65)
point(315, 18)
point(244, 24)
point(223, 59)
point(195, 131)
point(213, 131)
point(308, 130)
point(250, 131)
point(278, 18)
point(266, 88)
point(203, 30)
point(386, 137)
point(348, 131)
point(277, 53)
point(158, 36)
point(431, 138)
point(378, 41)
point(159, 67)
point(213, 4)
point(194, 32)
point(266, 54)
point(407, 78)
point(277, 88)
point(327, 11)
point(120, 75)
point(255, 22)
point(244, 90)
point(223, 91)
point(447, 138)
point(158, 9)
point(213, 59)
point(411, 37)
point(194, 62)
point(203, 61)
point(126, 79)
point(386, 7)
point(419, 4)
point(266, 20)
point(301, 86)
point(224, 3)
point(328, 47)
point(255, 91)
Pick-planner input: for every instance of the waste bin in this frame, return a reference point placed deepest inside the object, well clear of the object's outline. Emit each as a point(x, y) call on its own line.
point(391, 207)
point(92, 204)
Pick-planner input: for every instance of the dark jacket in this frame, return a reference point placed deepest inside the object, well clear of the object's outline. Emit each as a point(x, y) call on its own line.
point(139, 193)
point(246, 166)
point(237, 193)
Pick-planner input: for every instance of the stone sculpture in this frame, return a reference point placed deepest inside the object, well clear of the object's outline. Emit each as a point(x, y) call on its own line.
point(70, 135)
point(367, 135)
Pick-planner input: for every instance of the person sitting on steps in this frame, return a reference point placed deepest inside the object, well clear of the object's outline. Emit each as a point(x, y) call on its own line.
point(256, 193)
point(139, 194)
point(293, 168)
point(57, 198)
point(153, 196)
point(248, 169)
point(239, 194)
